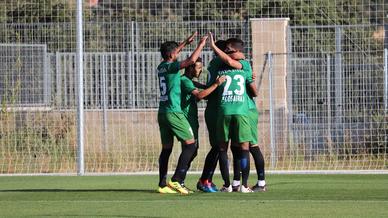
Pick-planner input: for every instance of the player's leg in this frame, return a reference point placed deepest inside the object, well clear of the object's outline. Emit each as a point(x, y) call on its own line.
point(205, 182)
point(167, 143)
point(244, 136)
point(260, 186)
point(194, 126)
point(182, 130)
point(223, 125)
point(256, 153)
point(236, 153)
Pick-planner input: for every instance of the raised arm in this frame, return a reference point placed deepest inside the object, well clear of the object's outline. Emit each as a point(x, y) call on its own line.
point(185, 42)
point(224, 57)
point(194, 56)
point(199, 95)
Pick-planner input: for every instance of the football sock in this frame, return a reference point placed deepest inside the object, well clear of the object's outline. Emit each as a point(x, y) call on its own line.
point(236, 183)
point(210, 164)
point(163, 165)
point(183, 162)
point(236, 151)
point(259, 162)
point(224, 168)
point(193, 157)
point(245, 167)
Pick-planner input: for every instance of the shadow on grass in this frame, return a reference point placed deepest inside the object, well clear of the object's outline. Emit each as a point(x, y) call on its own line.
point(79, 190)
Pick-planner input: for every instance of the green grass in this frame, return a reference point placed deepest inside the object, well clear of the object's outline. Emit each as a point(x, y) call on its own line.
point(134, 196)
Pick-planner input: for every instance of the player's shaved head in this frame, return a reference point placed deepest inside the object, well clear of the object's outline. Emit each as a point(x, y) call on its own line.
point(167, 48)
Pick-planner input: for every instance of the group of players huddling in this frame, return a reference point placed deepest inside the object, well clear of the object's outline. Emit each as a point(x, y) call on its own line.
point(230, 115)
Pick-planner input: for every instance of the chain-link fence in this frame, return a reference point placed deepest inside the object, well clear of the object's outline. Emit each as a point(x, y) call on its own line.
point(322, 78)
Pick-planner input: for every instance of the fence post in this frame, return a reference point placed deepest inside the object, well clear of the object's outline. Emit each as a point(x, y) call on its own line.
point(338, 83)
point(328, 102)
point(271, 112)
point(104, 103)
point(80, 108)
point(385, 80)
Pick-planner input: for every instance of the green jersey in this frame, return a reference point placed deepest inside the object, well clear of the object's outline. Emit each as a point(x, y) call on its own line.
point(170, 87)
point(214, 66)
point(188, 101)
point(232, 94)
point(248, 69)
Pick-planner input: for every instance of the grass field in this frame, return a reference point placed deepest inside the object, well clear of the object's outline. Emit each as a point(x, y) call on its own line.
point(134, 196)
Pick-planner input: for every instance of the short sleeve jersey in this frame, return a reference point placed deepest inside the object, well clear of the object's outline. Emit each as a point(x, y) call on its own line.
point(232, 94)
point(188, 101)
point(170, 87)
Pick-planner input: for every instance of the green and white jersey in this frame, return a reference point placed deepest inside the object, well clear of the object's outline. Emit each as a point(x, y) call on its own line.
point(188, 101)
point(232, 94)
point(170, 87)
point(213, 68)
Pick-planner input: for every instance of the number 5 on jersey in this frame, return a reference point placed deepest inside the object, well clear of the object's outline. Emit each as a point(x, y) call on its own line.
point(163, 89)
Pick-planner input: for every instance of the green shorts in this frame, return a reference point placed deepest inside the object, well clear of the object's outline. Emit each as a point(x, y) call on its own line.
point(174, 124)
point(193, 122)
point(253, 120)
point(236, 127)
point(211, 124)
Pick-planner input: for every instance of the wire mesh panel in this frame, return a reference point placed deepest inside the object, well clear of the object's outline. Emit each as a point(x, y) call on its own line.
point(322, 98)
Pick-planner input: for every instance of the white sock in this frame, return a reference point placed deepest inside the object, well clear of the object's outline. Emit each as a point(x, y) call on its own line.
point(236, 183)
point(261, 182)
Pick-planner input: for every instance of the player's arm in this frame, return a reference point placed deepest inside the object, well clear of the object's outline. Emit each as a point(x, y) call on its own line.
point(199, 95)
point(252, 88)
point(195, 55)
point(224, 57)
point(199, 85)
point(185, 42)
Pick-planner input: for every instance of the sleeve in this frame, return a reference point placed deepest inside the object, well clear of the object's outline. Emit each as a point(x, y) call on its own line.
point(174, 67)
point(248, 71)
point(187, 86)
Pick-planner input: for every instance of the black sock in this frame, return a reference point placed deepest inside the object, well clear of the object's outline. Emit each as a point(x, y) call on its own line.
point(210, 164)
point(224, 168)
point(236, 151)
point(163, 166)
point(183, 163)
point(193, 157)
point(259, 162)
point(245, 167)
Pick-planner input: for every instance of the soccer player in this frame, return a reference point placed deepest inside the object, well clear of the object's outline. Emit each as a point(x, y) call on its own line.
point(191, 95)
point(254, 148)
point(205, 183)
point(171, 119)
point(232, 121)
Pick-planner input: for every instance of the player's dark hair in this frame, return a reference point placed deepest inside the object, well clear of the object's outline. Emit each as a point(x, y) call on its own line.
point(191, 67)
point(167, 47)
point(235, 43)
point(221, 44)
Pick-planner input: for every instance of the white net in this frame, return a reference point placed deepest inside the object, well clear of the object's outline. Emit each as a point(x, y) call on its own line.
point(323, 108)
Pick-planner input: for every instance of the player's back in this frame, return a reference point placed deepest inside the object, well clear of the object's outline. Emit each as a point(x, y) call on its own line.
point(232, 95)
point(170, 87)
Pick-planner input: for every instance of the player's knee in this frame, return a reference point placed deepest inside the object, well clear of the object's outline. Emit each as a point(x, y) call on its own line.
point(189, 141)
